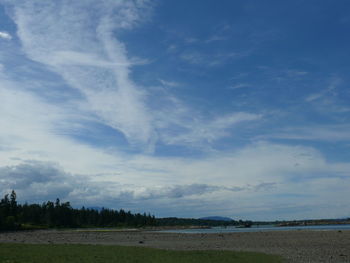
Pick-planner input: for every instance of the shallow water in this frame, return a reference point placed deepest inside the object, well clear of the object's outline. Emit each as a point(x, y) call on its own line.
point(255, 228)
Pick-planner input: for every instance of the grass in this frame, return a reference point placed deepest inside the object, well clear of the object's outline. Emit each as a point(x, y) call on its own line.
point(30, 253)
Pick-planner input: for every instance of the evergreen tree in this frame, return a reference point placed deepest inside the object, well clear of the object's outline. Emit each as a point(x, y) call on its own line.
point(61, 214)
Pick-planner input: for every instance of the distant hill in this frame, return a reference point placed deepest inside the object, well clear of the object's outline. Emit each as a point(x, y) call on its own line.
point(216, 218)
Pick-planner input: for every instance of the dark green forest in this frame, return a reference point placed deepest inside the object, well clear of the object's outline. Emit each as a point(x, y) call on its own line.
point(15, 216)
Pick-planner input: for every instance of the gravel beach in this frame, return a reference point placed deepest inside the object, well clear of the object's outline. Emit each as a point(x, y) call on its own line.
point(294, 246)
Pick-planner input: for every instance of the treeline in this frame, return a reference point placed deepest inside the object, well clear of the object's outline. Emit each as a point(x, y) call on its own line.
point(14, 216)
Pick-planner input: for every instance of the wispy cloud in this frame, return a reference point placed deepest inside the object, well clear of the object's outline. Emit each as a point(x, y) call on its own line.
point(193, 57)
point(172, 48)
point(197, 131)
point(191, 40)
point(296, 73)
point(87, 55)
point(328, 133)
point(331, 100)
point(239, 86)
point(5, 35)
point(90, 58)
point(169, 83)
point(324, 92)
point(215, 38)
point(198, 58)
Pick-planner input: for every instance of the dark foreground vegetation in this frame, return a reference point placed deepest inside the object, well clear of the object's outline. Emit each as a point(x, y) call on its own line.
point(14, 216)
point(18, 253)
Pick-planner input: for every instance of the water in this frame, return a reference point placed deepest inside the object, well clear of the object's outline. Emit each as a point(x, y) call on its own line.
point(254, 228)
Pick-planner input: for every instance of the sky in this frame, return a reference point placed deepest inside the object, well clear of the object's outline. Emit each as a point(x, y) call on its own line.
point(178, 108)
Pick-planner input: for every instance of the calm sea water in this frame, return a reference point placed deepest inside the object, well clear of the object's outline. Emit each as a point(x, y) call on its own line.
point(257, 229)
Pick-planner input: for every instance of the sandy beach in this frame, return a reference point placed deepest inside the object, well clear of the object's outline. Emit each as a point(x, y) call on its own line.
point(294, 246)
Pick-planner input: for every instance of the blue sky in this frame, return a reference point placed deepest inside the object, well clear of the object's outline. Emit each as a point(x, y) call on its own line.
point(178, 108)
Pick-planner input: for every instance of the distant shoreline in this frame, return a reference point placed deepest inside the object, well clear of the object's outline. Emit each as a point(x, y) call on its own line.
point(258, 228)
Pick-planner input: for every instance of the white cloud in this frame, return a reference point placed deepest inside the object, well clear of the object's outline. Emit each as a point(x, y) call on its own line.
point(193, 57)
point(172, 48)
point(324, 92)
point(169, 83)
point(92, 60)
point(37, 158)
point(330, 100)
point(197, 130)
point(5, 35)
point(296, 73)
point(36, 181)
point(86, 54)
point(215, 38)
point(61, 58)
point(27, 134)
point(328, 133)
point(191, 40)
point(210, 60)
point(251, 178)
point(239, 86)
